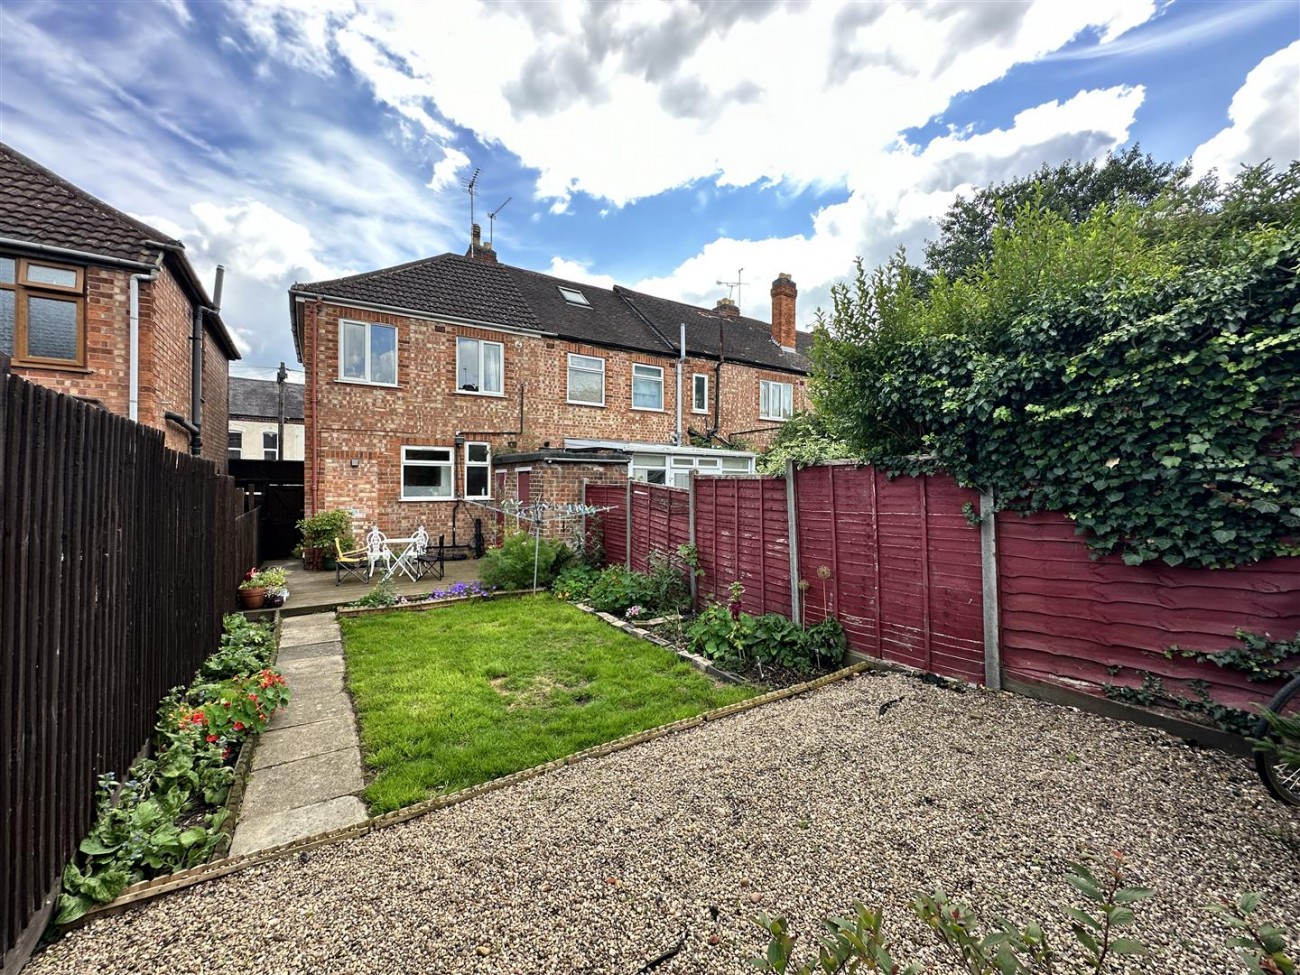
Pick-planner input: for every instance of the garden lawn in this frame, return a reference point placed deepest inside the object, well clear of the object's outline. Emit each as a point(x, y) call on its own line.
point(453, 697)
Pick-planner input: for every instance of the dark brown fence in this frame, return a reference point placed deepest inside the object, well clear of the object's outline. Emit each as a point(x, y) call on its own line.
point(118, 559)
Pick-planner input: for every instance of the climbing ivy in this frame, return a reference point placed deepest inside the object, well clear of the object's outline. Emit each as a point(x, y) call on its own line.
point(1139, 376)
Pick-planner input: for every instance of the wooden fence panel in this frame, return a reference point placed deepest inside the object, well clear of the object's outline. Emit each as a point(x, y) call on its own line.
point(1071, 620)
point(119, 559)
point(896, 562)
point(661, 521)
point(742, 535)
point(613, 523)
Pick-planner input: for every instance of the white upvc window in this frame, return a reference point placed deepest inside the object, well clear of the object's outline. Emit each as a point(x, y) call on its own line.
point(427, 473)
point(479, 366)
point(649, 468)
point(647, 387)
point(368, 353)
point(478, 470)
point(699, 393)
point(775, 400)
point(586, 380)
point(235, 444)
point(270, 446)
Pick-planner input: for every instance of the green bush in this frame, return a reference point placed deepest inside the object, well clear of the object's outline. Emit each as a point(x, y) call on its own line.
point(726, 635)
point(511, 565)
point(320, 530)
point(574, 583)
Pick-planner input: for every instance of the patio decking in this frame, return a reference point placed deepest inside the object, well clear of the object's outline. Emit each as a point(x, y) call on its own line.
point(315, 592)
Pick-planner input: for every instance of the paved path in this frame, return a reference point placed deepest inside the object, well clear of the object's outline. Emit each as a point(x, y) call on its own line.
point(307, 766)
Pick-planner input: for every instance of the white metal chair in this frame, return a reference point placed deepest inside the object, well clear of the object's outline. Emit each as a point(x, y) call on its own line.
point(377, 549)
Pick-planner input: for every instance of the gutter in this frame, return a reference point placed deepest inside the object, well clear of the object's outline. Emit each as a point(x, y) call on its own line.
point(66, 252)
point(304, 296)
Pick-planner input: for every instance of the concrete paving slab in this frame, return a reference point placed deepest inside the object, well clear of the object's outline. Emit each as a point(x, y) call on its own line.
point(302, 634)
point(272, 829)
point(289, 744)
point(303, 782)
point(309, 651)
point(313, 686)
point(299, 670)
point(310, 712)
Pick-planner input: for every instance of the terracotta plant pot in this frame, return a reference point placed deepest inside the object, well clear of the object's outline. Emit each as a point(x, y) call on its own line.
point(252, 598)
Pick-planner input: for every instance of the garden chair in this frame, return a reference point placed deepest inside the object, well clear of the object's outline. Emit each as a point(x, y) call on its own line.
point(377, 550)
point(432, 560)
point(348, 564)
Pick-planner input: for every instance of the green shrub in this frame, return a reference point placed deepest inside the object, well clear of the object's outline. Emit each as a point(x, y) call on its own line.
point(383, 593)
point(726, 635)
point(511, 565)
point(320, 530)
point(574, 583)
point(615, 590)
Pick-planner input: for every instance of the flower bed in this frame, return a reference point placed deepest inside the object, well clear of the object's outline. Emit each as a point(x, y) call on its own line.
point(384, 595)
point(169, 812)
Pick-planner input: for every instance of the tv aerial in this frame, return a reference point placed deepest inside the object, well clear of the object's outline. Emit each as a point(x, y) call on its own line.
point(492, 220)
point(470, 185)
point(736, 285)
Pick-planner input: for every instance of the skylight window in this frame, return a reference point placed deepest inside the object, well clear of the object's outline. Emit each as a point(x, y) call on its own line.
point(575, 297)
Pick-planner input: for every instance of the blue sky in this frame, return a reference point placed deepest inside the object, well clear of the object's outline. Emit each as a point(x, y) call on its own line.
point(663, 146)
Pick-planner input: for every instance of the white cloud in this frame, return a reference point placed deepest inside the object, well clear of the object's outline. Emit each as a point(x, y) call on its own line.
point(1264, 119)
point(576, 271)
point(445, 170)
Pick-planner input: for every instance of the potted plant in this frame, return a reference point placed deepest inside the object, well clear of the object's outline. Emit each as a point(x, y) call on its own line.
point(318, 534)
point(253, 590)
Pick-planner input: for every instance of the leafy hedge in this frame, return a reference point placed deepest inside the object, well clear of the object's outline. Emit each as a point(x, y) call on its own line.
point(1136, 370)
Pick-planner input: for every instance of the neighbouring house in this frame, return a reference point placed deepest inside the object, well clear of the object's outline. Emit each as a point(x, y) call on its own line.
point(98, 305)
point(255, 419)
point(454, 382)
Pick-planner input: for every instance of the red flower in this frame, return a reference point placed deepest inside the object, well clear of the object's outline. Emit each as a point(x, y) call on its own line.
point(239, 726)
point(211, 739)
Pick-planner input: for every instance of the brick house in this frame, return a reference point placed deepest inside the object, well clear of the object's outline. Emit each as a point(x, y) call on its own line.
point(254, 432)
point(98, 305)
point(460, 379)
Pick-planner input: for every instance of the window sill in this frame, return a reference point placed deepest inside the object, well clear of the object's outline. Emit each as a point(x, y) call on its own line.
point(695, 412)
point(774, 419)
point(364, 382)
point(470, 392)
point(51, 366)
point(427, 500)
point(574, 402)
point(648, 409)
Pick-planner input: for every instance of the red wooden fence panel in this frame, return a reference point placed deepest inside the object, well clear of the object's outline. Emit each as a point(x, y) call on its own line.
point(742, 535)
point(897, 562)
point(613, 522)
point(1066, 618)
point(661, 521)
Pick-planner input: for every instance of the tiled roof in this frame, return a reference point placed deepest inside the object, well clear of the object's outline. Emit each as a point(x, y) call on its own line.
point(259, 398)
point(494, 293)
point(38, 206)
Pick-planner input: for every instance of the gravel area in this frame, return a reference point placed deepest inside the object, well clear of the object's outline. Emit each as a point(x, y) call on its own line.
point(798, 807)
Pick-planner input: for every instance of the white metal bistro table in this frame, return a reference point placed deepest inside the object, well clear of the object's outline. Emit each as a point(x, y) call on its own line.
point(404, 552)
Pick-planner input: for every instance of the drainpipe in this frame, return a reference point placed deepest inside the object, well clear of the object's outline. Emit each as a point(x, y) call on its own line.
point(133, 355)
point(681, 362)
point(196, 366)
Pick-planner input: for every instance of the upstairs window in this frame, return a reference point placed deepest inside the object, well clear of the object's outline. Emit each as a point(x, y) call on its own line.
point(479, 366)
point(235, 445)
point(647, 388)
point(575, 297)
point(586, 380)
point(699, 393)
point(368, 353)
point(775, 400)
point(42, 313)
point(270, 446)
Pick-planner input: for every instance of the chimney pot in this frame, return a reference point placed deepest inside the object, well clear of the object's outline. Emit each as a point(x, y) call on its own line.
point(727, 308)
point(478, 250)
point(784, 294)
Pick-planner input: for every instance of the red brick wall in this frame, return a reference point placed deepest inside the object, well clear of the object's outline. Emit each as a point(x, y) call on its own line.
point(165, 324)
point(551, 481)
point(370, 424)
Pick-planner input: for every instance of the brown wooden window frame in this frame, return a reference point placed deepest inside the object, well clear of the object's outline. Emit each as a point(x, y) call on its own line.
point(23, 289)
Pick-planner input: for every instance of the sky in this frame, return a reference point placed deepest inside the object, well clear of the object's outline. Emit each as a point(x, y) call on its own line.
point(672, 147)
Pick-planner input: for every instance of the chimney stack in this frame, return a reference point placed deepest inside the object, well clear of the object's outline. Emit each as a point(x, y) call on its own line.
point(783, 296)
point(478, 250)
point(727, 308)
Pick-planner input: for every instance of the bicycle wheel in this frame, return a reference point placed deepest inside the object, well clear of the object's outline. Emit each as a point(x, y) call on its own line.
point(1281, 777)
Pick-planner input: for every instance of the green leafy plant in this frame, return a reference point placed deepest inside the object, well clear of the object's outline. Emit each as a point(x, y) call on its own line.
point(574, 583)
point(271, 578)
point(382, 593)
point(723, 633)
point(1260, 946)
point(511, 565)
point(320, 530)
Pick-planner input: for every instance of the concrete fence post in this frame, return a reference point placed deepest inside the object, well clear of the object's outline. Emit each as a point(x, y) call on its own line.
point(792, 534)
point(989, 576)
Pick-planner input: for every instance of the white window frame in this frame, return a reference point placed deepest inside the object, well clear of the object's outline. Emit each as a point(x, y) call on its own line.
point(568, 379)
point(481, 343)
point(695, 387)
point(272, 450)
point(765, 387)
point(369, 327)
point(235, 453)
point(487, 465)
point(449, 464)
point(635, 377)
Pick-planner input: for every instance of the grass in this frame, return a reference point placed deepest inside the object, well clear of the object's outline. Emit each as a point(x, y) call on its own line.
point(451, 698)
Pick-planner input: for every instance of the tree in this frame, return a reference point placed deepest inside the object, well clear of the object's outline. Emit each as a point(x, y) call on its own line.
point(1072, 189)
